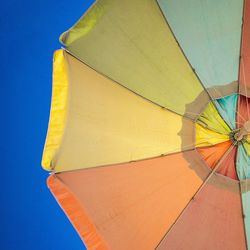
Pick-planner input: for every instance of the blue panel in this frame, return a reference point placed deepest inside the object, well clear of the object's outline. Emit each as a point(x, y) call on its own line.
point(227, 107)
point(242, 163)
point(209, 32)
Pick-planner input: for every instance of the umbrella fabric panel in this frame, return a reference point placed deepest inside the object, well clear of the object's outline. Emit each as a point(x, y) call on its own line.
point(245, 189)
point(139, 51)
point(213, 220)
point(209, 32)
point(213, 154)
point(206, 137)
point(76, 214)
point(243, 161)
point(211, 119)
point(106, 123)
point(58, 110)
point(244, 77)
point(130, 206)
point(243, 115)
point(228, 166)
point(243, 112)
point(211, 129)
point(246, 146)
point(227, 108)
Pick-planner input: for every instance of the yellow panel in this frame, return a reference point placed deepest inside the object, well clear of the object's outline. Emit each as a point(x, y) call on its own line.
point(58, 109)
point(247, 145)
point(108, 124)
point(130, 42)
point(211, 119)
point(206, 137)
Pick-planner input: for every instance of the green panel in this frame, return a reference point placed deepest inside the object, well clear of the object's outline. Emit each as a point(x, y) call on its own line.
point(209, 32)
point(211, 119)
point(130, 42)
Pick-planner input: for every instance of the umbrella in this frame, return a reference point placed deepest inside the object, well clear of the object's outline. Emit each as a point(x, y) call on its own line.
point(148, 141)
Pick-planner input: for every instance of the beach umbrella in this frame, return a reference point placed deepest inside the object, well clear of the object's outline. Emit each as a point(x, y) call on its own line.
point(148, 141)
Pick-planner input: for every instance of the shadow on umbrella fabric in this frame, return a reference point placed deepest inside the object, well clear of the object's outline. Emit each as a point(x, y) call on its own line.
point(148, 143)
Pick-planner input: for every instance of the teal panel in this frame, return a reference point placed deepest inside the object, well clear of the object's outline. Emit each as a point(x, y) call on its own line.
point(246, 208)
point(227, 107)
point(209, 32)
point(242, 163)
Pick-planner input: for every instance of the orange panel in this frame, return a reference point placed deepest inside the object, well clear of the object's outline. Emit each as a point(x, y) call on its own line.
point(75, 212)
point(129, 206)
point(213, 154)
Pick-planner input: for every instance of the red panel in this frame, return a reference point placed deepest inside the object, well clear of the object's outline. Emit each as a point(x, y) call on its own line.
point(228, 167)
point(243, 114)
point(245, 51)
point(213, 154)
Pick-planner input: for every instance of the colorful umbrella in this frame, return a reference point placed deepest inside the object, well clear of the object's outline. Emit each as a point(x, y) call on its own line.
point(148, 140)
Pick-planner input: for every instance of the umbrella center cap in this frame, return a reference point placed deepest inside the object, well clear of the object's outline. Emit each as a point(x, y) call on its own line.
point(240, 135)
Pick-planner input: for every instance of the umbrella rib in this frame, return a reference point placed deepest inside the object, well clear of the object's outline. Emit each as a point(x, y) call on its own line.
point(235, 110)
point(246, 96)
point(198, 191)
point(241, 40)
point(182, 51)
point(120, 84)
point(212, 99)
point(183, 150)
point(245, 170)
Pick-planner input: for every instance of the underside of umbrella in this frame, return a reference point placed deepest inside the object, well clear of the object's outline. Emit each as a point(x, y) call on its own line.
point(148, 141)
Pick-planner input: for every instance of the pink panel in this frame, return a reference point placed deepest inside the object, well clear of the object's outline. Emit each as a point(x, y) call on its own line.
point(228, 167)
point(213, 220)
point(211, 155)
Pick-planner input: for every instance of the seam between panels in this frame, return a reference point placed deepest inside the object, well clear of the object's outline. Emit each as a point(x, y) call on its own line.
point(241, 40)
point(204, 183)
point(120, 84)
point(216, 173)
point(238, 103)
point(205, 163)
point(182, 51)
point(127, 162)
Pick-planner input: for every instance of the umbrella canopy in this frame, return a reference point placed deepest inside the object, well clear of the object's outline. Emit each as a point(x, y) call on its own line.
point(148, 140)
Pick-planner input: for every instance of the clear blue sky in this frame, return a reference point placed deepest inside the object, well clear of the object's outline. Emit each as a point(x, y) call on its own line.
point(30, 217)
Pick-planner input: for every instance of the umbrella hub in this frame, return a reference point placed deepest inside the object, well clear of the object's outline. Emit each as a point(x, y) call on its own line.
point(240, 135)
